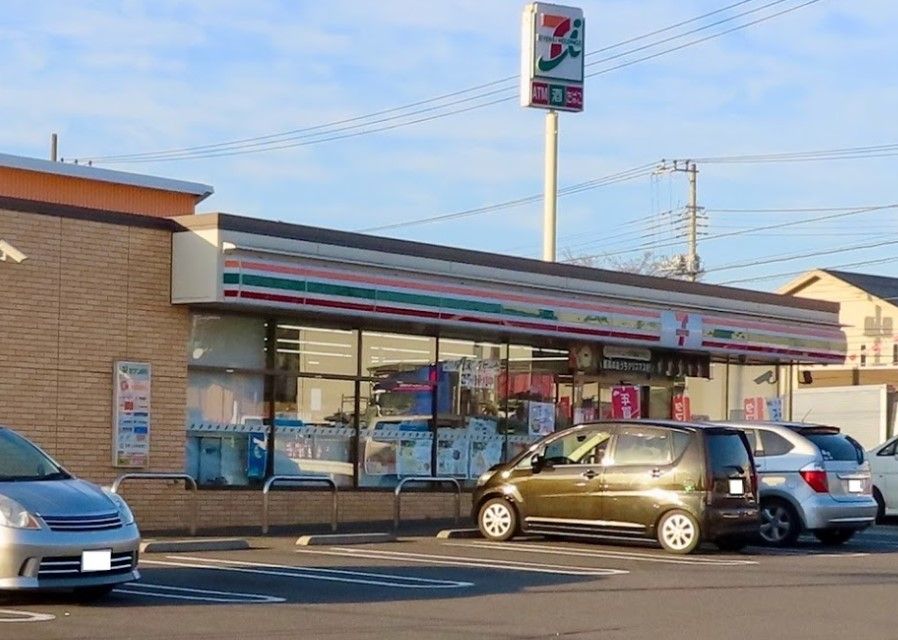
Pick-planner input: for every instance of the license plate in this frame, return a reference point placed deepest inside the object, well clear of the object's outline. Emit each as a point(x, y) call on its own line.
point(96, 561)
point(737, 487)
point(855, 486)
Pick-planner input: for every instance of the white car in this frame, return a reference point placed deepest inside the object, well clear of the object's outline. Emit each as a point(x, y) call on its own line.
point(884, 467)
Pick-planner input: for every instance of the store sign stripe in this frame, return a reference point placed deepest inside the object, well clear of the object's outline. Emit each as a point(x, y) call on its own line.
point(446, 317)
point(766, 349)
point(436, 287)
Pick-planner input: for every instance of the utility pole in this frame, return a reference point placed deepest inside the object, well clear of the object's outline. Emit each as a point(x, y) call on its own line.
point(693, 265)
point(54, 146)
point(689, 265)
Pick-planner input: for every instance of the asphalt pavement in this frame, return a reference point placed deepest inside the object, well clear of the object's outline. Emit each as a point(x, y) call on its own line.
point(421, 588)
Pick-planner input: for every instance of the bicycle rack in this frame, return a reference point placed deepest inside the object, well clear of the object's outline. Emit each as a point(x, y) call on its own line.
point(188, 479)
point(288, 479)
point(397, 502)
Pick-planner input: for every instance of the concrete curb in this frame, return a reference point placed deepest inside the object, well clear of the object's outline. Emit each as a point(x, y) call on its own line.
point(455, 534)
point(345, 538)
point(191, 546)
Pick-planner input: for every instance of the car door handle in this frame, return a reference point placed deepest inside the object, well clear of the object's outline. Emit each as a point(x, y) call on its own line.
point(589, 474)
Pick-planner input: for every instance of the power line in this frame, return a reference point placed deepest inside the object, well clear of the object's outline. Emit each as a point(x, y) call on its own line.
point(798, 273)
point(730, 234)
point(289, 139)
point(615, 178)
point(800, 256)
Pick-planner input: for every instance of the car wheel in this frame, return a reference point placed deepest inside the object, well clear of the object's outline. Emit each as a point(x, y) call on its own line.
point(731, 543)
point(834, 537)
point(779, 523)
point(91, 594)
point(679, 532)
point(497, 520)
point(880, 506)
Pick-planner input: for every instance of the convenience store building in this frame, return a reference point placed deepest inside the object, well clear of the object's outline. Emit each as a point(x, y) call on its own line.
point(140, 335)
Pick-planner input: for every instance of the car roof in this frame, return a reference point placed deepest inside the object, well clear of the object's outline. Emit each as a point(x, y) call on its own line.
point(670, 424)
point(797, 427)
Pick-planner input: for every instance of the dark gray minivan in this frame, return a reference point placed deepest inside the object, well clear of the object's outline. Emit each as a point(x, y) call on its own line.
point(682, 483)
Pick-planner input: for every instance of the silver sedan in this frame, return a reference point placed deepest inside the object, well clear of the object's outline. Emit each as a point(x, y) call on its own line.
point(58, 532)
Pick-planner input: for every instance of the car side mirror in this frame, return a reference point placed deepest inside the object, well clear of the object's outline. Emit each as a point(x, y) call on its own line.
point(538, 463)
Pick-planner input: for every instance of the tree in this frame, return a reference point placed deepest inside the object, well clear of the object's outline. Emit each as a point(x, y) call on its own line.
point(647, 264)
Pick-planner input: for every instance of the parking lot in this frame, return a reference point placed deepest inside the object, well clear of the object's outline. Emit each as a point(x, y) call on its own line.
point(424, 587)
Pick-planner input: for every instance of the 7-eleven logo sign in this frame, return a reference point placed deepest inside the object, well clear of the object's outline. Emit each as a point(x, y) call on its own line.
point(681, 330)
point(564, 40)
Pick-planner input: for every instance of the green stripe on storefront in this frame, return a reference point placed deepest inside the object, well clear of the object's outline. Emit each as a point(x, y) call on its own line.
point(423, 300)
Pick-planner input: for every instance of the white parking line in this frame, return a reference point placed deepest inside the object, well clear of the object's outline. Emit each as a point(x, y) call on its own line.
point(202, 595)
point(312, 573)
point(458, 561)
point(602, 553)
point(810, 553)
point(24, 616)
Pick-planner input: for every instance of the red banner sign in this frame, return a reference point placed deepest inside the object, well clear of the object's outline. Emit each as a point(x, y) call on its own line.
point(625, 403)
point(682, 408)
point(753, 408)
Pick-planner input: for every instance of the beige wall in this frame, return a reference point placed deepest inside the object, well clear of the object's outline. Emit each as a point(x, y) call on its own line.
point(856, 307)
point(89, 294)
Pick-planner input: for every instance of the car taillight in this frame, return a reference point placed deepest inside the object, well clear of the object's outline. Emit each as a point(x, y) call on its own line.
point(754, 482)
point(816, 478)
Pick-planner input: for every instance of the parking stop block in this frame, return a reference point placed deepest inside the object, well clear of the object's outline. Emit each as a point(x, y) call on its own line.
point(456, 534)
point(194, 545)
point(345, 538)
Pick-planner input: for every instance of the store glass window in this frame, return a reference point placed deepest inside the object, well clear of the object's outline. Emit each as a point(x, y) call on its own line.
point(305, 349)
point(397, 407)
point(227, 341)
point(469, 437)
point(529, 387)
point(314, 427)
point(226, 416)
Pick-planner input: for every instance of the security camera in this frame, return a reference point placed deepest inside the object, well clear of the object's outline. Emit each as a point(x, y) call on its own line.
point(9, 252)
point(768, 376)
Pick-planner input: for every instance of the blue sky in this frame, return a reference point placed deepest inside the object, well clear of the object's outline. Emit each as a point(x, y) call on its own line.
point(137, 76)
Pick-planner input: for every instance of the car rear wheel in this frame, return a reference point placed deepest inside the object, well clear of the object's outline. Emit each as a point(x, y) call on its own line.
point(679, 532)
point(497, 520)
point(779, 523)
point(834, 537)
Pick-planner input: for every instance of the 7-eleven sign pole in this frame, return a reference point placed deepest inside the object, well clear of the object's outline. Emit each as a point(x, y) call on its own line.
point(552, 54)
point(550, 187)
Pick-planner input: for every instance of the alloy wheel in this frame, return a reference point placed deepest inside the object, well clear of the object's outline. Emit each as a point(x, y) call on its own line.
point(496, 519)
point(776, 523)
point(678, 532)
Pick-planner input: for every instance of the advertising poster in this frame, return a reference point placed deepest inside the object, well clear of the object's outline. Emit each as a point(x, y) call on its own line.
point(682, 408)
point(484, 454)
point(775, 408)
point(753, 408)
point(452, 453)
point(256, 455)
point(625, 403)
point(131, 415)
point(413, 457)
point(541, 418)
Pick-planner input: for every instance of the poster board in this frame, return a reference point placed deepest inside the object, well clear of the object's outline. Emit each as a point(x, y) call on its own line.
point(131, 388)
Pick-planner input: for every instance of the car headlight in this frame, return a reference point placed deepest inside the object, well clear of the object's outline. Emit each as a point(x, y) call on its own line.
point(484, 478)
point(14, 515)
point(124, 510)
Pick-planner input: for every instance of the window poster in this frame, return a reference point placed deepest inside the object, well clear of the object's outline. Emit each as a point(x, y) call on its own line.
point(131, 415)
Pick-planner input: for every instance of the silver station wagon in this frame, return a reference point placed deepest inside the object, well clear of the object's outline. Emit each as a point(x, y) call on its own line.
point(58, 532)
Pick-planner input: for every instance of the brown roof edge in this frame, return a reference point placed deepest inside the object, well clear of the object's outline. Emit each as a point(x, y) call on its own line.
point(87, 214)
point(293, 231)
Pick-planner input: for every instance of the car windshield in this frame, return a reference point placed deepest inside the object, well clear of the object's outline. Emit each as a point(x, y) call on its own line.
point(21, 461)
